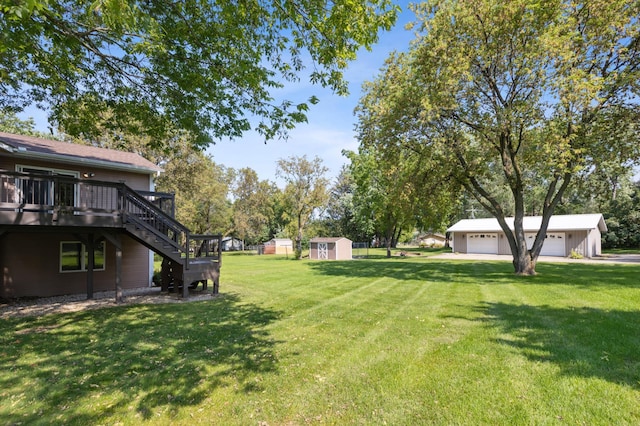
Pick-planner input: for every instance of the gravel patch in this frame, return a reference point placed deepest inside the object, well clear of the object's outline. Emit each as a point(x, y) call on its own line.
point(16, 308)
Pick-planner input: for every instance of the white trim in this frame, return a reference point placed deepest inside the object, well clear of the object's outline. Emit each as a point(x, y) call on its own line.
point(112, 165)
point(75, 174)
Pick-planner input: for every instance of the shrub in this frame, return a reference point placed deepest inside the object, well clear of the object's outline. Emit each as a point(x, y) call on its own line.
point(575, 255)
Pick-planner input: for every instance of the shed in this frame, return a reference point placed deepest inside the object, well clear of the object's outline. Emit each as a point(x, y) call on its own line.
point(566, 233)
point(334, 248)
point(278, 246)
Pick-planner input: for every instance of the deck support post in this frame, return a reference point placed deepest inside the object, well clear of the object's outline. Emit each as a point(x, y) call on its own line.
point(116, 240)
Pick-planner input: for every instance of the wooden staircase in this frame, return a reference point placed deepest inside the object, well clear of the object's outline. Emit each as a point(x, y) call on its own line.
point(43, 200)
point(188, 259)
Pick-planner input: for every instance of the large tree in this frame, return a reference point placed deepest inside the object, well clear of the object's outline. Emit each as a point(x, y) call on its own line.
point(306, 191)
point(340, 219)
point(400, 185)
point(253, 206)
point(202, 66)
point(524, 94)
point(201, 188)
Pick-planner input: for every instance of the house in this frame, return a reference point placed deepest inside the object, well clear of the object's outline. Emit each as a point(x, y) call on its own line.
point(580, 233)
point(431, 239)
point(278, 246)
point(330, 248)
point(232, 244)
point(77, 218)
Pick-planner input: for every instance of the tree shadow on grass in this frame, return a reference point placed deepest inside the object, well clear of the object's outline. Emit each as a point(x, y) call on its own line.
point(584, 342)
point(483, 272)
point(143, 358)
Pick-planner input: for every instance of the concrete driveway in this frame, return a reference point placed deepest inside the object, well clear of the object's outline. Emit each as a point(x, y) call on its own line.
point(608, 258)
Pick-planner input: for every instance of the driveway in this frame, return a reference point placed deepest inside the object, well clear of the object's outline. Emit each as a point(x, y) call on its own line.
point(608, 258)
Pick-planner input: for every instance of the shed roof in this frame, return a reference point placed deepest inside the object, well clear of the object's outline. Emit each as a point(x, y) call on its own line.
point(20, 146)
point(569, 222)
point(327, 239)
point(280, 241)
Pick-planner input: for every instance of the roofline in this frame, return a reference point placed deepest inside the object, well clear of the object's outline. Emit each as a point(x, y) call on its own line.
point(601, 221)
point(113, 165)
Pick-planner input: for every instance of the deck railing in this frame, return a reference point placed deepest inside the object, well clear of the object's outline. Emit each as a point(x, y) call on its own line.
point(149, 211)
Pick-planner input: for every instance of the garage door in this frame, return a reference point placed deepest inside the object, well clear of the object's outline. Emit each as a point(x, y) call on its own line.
point(554, 244)
point(482, 243)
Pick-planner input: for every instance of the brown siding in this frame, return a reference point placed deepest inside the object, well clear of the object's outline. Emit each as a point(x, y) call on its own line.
point(314, 254)
point(7, 163)
point(135, 264)
point(30, 264)
point(331, 249)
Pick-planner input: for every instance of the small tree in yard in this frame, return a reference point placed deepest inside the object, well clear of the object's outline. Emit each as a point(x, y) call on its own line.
point(305, 191)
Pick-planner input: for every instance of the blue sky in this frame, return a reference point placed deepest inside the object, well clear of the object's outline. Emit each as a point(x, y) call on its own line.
point(330, 127)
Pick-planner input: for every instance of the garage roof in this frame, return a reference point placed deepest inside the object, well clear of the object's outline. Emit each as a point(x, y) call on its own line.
point(569, 222)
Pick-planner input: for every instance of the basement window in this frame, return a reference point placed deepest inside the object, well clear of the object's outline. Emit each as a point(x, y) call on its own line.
point(74, 256)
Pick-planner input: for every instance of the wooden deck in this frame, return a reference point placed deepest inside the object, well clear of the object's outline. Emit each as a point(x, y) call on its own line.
point(42, 203)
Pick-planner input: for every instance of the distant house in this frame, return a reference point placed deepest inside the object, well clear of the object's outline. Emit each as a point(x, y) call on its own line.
point(580, 233)
point(77, 218)
point(232, 244)
point(338, 248)
point(431, 239)
point(278, 246)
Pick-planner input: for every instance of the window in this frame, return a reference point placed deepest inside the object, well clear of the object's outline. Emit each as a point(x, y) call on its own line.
point(43, 192)
point(74, 256)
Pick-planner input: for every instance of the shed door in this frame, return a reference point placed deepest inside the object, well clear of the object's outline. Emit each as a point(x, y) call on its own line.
point(323, 251)
point(554, 244)
point(482, 243)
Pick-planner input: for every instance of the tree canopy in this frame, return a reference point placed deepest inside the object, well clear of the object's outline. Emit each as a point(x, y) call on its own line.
point(520, 95)
point(306, 190)
point(206, 67)
point(253, 206)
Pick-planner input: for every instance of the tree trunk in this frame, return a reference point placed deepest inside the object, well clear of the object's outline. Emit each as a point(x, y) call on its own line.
point(298, 251)
point(524, 264)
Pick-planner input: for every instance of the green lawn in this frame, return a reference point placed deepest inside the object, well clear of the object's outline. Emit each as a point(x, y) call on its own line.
point(399, 341)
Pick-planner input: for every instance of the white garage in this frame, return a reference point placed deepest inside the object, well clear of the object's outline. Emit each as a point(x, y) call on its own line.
point(579, 233)
point(486, 243)
point(554, 243)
